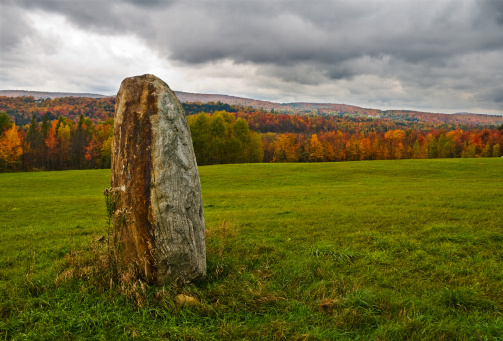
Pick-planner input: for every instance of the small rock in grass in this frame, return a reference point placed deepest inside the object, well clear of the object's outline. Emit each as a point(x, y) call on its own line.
point(186, 301)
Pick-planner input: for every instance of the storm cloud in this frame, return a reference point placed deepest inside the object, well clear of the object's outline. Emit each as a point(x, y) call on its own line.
point(435, 55)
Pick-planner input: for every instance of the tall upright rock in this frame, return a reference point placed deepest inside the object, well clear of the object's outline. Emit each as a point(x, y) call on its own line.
point(154, 168)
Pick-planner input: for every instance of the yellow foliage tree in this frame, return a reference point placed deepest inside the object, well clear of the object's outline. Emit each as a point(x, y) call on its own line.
point(284, 148)
point(316, 151)
point(10, 149)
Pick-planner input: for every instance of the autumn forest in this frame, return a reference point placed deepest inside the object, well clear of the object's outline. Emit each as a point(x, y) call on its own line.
point(76, 133)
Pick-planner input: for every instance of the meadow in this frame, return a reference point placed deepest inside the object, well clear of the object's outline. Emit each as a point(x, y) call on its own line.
point(370, 250)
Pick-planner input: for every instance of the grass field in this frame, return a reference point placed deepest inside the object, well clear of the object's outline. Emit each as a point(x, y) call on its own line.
point(379, 250)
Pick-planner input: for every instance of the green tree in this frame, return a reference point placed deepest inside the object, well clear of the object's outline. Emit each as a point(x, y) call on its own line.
point(106, 153)
point(35, 140)
point(64, 143)
point(5, 122)
point(219, 146)
point(487, 152)
point(470, 150)
point(241, 133)
point(217, 127)
point(79, 143)
point(255, 150)
point(46, 125)
point(219, 138)
point(431, 143)
point(445, 147)
point(496, 150)
point(201, 139)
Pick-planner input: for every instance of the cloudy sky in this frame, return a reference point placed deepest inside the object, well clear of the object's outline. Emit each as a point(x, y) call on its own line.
point(430, 55)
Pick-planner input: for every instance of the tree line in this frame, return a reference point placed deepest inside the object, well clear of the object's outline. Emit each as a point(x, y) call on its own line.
point(245, 135)
point(393, 144)
point(58, 144)
point(221, 138)
point(22, 109)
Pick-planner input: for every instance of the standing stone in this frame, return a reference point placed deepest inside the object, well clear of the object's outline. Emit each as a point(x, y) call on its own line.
point(155, 170)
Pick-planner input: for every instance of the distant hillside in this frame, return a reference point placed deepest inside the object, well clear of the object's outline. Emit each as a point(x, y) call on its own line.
point(299, 108)
point(44, 95)
point(185, 97)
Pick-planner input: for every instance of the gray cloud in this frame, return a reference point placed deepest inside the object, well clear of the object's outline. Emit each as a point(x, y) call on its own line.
point(453, 46)
point(13, 27)
point(492, 10)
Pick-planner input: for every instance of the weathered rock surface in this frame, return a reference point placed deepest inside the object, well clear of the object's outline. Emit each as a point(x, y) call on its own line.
point(154, 166)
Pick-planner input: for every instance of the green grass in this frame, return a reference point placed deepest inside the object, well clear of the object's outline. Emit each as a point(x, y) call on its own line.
point(379, 250)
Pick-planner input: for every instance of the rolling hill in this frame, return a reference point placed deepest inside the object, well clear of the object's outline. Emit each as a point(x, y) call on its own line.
point(44, 95)
point(298, 107)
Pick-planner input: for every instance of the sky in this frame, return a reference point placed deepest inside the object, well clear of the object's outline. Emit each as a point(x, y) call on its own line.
point(429, 55)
